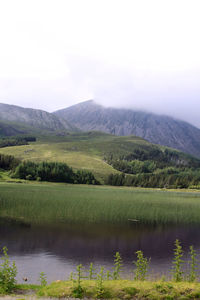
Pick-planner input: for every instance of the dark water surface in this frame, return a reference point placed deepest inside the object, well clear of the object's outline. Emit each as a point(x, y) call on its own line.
point(57, 251)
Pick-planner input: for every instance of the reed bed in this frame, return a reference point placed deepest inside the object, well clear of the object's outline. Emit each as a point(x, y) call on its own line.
point(37, 203)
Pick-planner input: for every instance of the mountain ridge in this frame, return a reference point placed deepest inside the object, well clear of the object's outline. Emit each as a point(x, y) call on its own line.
point(157, 129)
point(36, 118)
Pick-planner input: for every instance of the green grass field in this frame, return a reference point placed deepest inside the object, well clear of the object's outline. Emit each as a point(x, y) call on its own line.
point(50, 203)
point(79, 151)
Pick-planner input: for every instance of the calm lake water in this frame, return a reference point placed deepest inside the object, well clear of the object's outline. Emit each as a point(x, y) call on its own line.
point(57, 251)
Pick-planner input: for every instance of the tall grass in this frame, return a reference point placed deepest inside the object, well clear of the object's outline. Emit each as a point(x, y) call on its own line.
point(50, 203)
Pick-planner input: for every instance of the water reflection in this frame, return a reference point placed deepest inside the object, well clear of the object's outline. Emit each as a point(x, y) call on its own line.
point(57, 250)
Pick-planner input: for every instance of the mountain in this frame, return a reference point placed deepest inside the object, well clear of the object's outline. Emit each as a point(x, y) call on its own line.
point(34, 118)
point(157, 129)
point(7, 129)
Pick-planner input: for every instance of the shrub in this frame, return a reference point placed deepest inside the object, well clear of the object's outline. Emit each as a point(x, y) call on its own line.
point(193, 265)
point(118, 266)
point(92, 273)
point(43, 279)
point(100, 292)
point(77, 290)
point(177, 262)
point(8, 272)
point(142, 265)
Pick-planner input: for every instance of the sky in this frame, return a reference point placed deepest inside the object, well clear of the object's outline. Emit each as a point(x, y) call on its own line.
point(137, 54)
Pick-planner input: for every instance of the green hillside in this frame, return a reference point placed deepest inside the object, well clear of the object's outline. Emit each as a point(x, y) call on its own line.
point(92, 150)
point(78, 151)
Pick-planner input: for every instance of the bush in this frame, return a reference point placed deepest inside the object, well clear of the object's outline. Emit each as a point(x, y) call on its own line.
point(142, 265)
point(8, 273)
point(177, 262)
point(8, 162)
point(28, 177)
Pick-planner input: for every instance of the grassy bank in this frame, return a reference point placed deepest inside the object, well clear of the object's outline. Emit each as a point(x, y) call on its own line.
point(121, 289)
point(39, 203)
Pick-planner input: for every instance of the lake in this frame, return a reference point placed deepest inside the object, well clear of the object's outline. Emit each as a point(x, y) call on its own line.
point(57, 250)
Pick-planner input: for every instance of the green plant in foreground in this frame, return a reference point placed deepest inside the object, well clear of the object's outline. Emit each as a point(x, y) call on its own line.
point(193, 265)
point(92, 272)
point(118, 266)
point(71, 277)
point(8, 273)
point(43, 279)
point(142, 265)
point(77, 290)
point(177, 262)
point(100, 292)
point(108, 275)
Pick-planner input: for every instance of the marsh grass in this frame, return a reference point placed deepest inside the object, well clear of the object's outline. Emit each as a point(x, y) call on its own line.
point(61, 203)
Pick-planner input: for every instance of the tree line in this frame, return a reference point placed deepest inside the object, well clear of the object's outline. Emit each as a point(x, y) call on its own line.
point(54, 172)
point(148, 160)
point(8, 162)
point(16, 141)
point(154, 168)
point(45, 171)
point(186, 179)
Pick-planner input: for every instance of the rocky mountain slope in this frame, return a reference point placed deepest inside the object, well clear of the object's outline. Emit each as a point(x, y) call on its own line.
point(158, 129)
point(8, 129)
point(35, 118)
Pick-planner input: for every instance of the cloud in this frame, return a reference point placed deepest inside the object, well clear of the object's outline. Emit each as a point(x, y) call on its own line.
point(135, 54)
point(169, 93)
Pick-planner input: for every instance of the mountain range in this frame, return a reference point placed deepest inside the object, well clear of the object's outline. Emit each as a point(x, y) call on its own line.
point(90, 116)
point(158, 129)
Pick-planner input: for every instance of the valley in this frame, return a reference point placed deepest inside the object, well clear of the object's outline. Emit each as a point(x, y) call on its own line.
point(147, 197)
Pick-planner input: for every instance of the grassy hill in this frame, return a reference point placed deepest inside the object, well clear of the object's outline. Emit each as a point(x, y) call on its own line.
point(88, 151)
point(80, 151)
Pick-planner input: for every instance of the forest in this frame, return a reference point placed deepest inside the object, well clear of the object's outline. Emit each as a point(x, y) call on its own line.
point(45, 171)
point(154, 169)
point(16, 141)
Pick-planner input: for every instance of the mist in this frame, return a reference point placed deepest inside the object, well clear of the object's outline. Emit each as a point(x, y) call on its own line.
point(121, 54)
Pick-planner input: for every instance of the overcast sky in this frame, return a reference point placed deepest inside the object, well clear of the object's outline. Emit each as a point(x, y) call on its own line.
point(142, 54)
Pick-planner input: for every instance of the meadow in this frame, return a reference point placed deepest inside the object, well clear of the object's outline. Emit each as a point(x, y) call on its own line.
point(80, 151)
point(60, 153)
point(51, 203)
